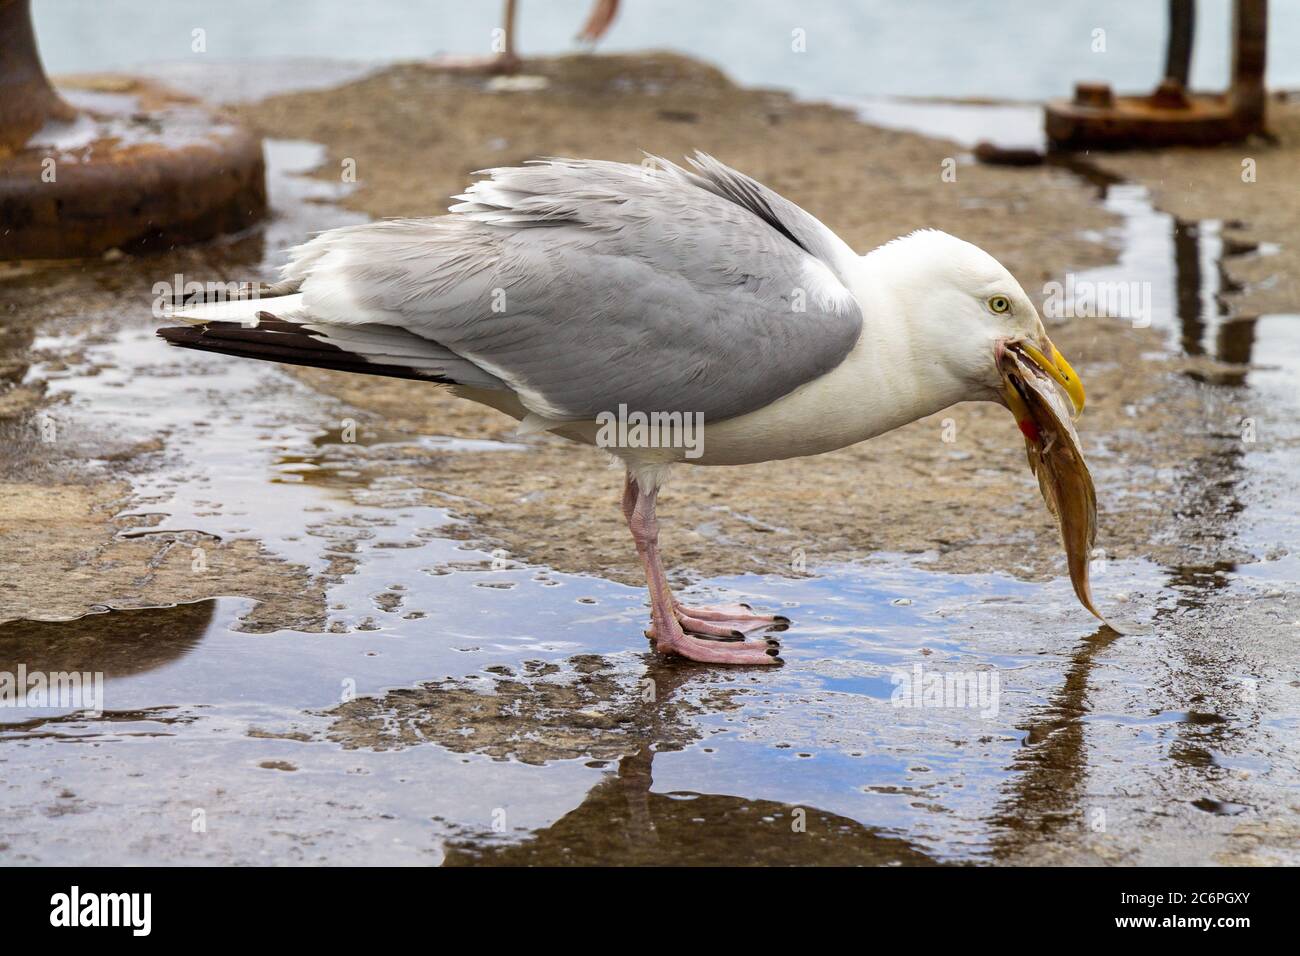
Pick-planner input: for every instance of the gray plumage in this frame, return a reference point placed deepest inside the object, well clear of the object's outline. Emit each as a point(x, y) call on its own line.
point(583, 285)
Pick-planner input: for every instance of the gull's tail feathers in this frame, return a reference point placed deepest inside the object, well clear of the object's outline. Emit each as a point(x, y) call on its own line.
point(281, 330)
point(245, 310)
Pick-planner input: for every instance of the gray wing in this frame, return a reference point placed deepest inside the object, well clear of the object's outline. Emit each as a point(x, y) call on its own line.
point(584, 285)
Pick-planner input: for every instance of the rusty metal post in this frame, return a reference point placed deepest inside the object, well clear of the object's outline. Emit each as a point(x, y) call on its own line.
point(1098, 119)
point(1178, 52)
point(1249, 52)
point(28, 101)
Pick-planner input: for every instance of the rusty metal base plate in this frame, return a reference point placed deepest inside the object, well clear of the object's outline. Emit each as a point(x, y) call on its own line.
point(1136, 122)
point(137, 168)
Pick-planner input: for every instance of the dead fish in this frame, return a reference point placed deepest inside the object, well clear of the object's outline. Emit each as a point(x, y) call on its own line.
point(1052, 446)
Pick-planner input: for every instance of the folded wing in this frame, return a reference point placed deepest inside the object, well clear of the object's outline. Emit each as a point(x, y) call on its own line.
point(585, 285)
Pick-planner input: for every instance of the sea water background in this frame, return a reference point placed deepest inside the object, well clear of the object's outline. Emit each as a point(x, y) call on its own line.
point(1004, 49)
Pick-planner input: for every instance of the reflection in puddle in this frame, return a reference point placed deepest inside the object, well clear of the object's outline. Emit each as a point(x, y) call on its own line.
point(622, 819)
point(113, 642)
point(1048, 792)
point(597, 726)
point(1181, 266)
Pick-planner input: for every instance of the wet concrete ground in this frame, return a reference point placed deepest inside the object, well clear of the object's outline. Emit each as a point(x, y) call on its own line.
point(402, 691)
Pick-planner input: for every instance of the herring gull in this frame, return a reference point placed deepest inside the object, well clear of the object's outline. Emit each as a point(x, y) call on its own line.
point(576, 294)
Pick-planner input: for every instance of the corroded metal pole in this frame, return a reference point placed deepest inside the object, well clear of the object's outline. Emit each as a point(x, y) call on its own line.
point(27, 100)
point(1182, 29)
point(1249, 49)
point(1097, 119)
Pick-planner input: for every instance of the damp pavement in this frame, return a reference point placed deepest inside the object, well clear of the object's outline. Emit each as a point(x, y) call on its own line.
point(458, 705)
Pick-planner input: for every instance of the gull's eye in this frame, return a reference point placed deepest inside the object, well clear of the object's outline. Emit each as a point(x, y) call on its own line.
point(999, 304)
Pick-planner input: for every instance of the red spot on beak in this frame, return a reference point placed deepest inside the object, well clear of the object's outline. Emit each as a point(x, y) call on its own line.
point(1029, 429)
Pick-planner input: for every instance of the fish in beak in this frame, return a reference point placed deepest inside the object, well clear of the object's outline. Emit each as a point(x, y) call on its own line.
point(1054, 364)
point(1029, 380)
point(1051, 363)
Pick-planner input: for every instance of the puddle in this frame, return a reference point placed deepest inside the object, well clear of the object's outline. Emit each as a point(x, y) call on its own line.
point(114, 117)
point(460, 707)
point(527, 725)
point(1009, 125)
point(200, 716)
point(1177, 269)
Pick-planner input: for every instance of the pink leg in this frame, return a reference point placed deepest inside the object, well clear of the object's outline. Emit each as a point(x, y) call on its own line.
point(639, 508)
point(727, 622)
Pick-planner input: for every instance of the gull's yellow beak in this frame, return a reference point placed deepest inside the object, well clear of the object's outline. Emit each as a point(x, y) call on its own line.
point(1059, 370)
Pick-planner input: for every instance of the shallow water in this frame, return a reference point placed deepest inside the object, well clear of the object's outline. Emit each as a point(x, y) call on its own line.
point(257, 741)
point(196, 711)
point(463, 707)
point(981, 48)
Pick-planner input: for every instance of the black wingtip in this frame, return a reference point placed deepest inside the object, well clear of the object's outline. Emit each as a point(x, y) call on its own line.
point(179, 334)
point(275, 340)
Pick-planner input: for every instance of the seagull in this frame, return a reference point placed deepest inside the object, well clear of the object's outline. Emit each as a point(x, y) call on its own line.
point(670, 315)
point(506, 61)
